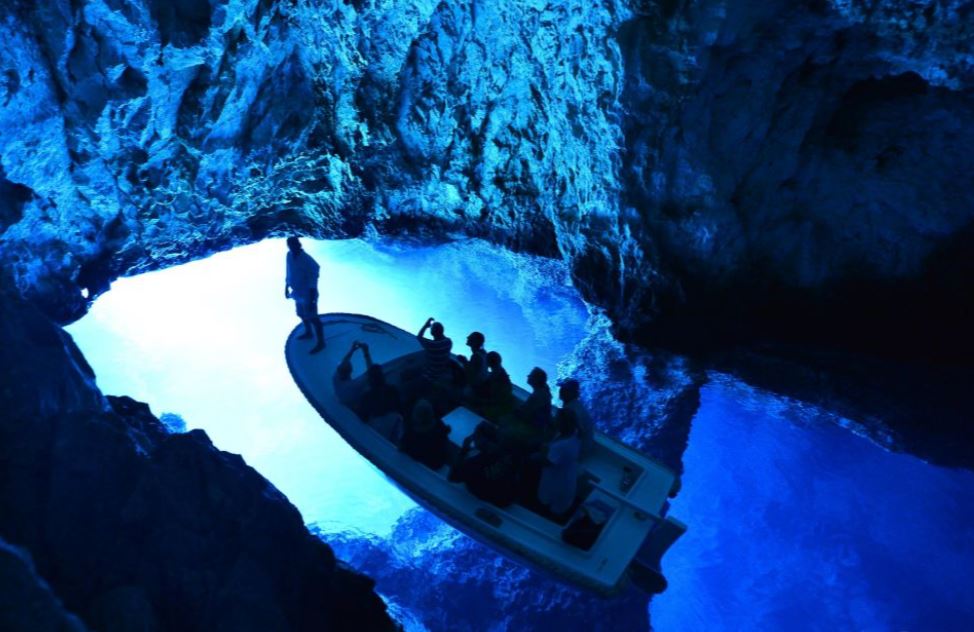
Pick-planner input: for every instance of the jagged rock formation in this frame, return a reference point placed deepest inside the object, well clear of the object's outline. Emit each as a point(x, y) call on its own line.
point(131, 527)
point(791, 178)
point(466, 585)
point(27, 603)
point(781, 189)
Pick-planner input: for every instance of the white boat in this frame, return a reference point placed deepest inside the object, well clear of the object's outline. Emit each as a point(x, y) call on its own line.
point(628, 489)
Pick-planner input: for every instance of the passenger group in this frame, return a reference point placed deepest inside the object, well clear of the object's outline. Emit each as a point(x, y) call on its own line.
point(524, 451)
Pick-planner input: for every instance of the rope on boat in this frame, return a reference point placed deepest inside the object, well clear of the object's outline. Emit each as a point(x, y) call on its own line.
point(376, 329)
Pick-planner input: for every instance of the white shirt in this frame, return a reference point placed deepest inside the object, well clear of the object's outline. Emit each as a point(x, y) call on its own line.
point(586, 428)
point(302, 272)
point(558, 480)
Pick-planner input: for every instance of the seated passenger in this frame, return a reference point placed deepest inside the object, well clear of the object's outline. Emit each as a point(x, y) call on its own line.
point(346, 390)
point(559, 475)
point(425, 438)
point(568, 392)
point(489, 470)
point(536, 409)
point(438, 349)
point(475, 369)
point(498, 386)
point(375, 402)
point(494, 399)
point(380, 398)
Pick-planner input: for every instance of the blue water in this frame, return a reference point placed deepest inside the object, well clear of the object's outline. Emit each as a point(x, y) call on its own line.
point(795, 522)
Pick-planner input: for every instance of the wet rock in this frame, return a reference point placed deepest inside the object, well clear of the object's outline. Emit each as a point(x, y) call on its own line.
point(458, 570)
point(646, 400)
point(719, 176)
point(137, 528)
point(27, 603)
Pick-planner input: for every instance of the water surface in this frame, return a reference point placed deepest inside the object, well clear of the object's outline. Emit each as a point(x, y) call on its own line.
point(795, 522)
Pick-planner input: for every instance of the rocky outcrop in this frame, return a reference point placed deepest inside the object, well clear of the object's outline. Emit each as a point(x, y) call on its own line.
point(465, 584)
point(784, 179)
point(27, 603)
point(647, 400)
point(132, 527)
point(796, 171)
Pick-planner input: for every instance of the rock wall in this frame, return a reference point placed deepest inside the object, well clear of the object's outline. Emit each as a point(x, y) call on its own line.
point(781, 189)
point(130, 527)
point(800, 168)
point(790, 177)
point(27, 603)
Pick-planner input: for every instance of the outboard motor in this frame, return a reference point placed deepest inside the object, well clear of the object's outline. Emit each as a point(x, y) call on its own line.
point(645, 571)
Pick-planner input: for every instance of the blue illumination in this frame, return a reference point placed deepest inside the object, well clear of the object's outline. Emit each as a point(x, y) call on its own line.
point(795, 523)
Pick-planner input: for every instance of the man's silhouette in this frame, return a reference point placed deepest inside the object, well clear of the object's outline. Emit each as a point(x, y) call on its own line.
point(301, 284)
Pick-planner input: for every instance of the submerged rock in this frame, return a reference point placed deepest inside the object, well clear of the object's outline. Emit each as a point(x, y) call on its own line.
point(136, 528)
point(465, 584)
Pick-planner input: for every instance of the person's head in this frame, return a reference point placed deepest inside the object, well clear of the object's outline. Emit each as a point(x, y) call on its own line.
point(537, 377)
point(494, 359)
point(423, 419)
point(437, 330)
point(294, 244)
point(344, 370)
point(566, 423)
point(475, 340)
point(376, 377)
point(569, 390)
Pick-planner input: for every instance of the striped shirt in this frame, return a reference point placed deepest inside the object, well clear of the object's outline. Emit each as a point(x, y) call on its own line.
point(437, 357)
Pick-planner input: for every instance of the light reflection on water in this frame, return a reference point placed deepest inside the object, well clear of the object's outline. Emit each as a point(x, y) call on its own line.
point(205, 340)
point(795, 523)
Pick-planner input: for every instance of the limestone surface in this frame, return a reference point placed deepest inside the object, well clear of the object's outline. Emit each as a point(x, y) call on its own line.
point(788, 178)
point(133, 528)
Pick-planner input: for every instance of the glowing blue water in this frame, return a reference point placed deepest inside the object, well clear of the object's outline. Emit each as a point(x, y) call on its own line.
point(795, 523)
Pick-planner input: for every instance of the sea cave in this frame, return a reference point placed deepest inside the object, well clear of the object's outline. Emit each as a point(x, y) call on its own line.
point(747, 230)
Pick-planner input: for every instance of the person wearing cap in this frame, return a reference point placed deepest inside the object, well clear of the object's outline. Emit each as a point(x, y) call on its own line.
point(301, 284)
point(426, 436)
point(475, 368)
point(569, 393)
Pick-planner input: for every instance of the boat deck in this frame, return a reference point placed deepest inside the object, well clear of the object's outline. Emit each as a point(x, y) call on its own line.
point(514, 530)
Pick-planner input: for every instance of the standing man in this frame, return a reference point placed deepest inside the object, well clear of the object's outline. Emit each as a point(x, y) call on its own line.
point(301, 284)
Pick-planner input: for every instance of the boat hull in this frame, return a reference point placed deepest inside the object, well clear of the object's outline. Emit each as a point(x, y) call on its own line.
point(514, 532)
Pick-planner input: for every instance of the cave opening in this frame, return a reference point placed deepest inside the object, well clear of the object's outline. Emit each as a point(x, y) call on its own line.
point(762, 197)
point(780, 497)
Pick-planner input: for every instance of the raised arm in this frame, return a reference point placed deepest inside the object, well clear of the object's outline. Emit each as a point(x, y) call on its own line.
point(368, 356)
point(426, 325)
point(351, 351)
